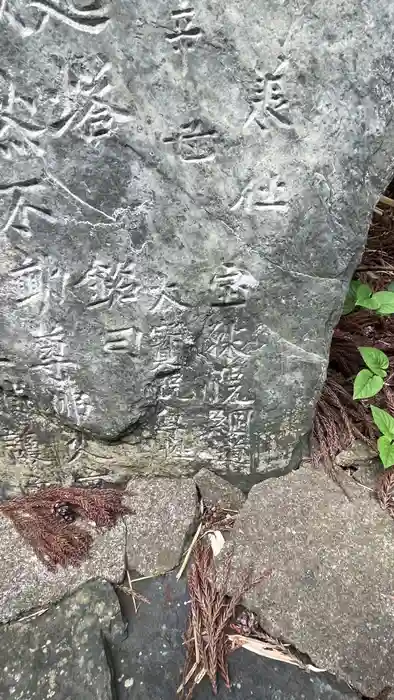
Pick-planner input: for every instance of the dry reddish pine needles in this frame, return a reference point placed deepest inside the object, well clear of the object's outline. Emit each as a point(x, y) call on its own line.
point(211, 610)
point(339, 419)
point(54, 521)
point(385, 492)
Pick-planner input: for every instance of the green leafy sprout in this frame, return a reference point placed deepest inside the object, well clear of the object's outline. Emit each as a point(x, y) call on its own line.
point(368, 383)
point(361, 295)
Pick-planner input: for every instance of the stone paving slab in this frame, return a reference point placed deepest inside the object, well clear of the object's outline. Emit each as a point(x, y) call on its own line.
point(80, 650)
point(149, 662)
point(332, 582)
point(26, 583)
point(215, 490)
point(164, 512)
point(62, 654)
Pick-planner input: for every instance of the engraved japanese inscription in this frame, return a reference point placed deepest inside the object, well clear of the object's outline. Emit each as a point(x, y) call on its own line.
point(170, 266)
point(269, 105)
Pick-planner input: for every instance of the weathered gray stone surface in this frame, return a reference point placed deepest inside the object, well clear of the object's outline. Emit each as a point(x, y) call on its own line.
point(79, 650)
point(215, 490)
point(331, 588)
point(25, 582)
point(148, 664)
point(63, 654)
point(36, 450)
point(184, 195)
point(362, 464)
point(164, 513)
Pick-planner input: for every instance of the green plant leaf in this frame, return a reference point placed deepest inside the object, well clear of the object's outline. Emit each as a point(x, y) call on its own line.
point(369, 303)
point(385, 303)
point(390, 288)
point(366, 384)
point(375, 360)
point(350, 301)
point(349, 304)
point(386, 451)
point(384, 421)
point(363, 293)
point(381, 373)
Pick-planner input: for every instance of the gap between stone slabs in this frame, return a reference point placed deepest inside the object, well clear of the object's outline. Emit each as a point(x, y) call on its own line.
point(329, 594)
point(151, 540)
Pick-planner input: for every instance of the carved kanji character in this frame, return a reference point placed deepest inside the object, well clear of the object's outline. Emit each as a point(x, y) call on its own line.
point(23, 207)
point(231, 286)
point(269, 104)
point(166, 299)
point(52, 354)
point(193, 142)
point(227, 387)
point(42, 282)
point(263, 195)
point(228, 344)
point(123, 341)
point(87, 109)
point(110, 284)
point(19, 133)
point(183, 35)
point(71, 402)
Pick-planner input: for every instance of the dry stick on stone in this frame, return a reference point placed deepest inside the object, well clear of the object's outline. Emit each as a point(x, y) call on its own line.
point(47, 520)
point(386, 200)
point(129, 590)
point(270, 650)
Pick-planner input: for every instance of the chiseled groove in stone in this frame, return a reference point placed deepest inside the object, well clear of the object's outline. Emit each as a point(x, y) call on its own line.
point(298, 348)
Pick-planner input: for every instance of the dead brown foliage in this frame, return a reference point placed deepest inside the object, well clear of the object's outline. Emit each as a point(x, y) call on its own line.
point(377, 265)
point(385, 491)
point(211, 612)
point(339, 420)
point(55, 541)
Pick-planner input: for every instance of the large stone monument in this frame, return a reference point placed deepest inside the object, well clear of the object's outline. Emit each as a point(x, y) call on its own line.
point(185, 192)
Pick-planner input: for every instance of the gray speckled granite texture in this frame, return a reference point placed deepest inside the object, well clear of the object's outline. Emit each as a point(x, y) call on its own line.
point(164, 513)
point(62, 654)
point(151, 540)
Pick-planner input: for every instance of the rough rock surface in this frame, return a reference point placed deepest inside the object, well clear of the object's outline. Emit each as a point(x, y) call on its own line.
point(26, 583)
point(164, 512)
point(358, 454)
point(152, 657)
point(215, 490)
point(79, 650)
point(185, 191)
point(330, 591)
point(62, 654)
point(36, 450)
